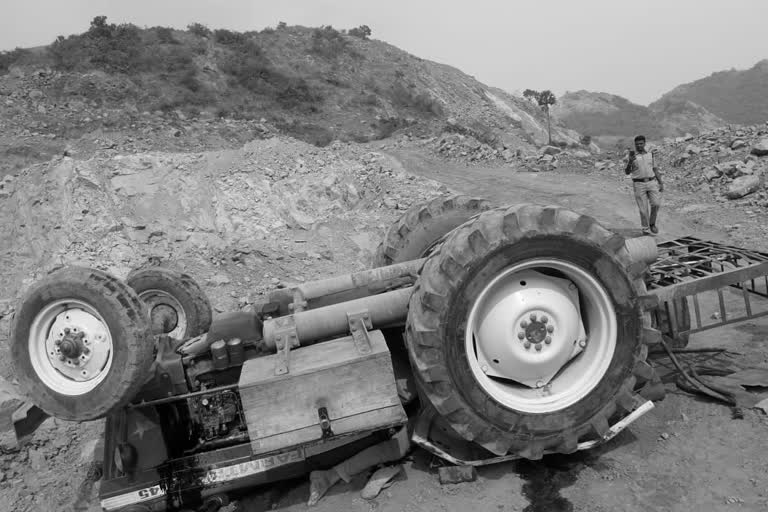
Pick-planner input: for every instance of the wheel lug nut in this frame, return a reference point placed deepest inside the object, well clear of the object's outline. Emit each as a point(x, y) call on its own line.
point(544, 319)
point(582, 343)
point(66, 330)
point(538, 347)
point(61, 358)
point(524, 324)
point(548, 340)
point(521, 335)
point(533, 317)
point(550, 328)
point(527, 344)
point(58, 342)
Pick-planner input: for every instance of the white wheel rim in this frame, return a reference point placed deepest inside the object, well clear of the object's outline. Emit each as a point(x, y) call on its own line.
point(154, 300)
point(70, 363)
point(572, 362)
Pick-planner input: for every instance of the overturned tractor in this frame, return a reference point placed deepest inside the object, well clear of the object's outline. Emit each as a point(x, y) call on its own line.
point(504, 332)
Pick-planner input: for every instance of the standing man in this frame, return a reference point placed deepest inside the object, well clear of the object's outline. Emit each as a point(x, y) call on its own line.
point(646, 182)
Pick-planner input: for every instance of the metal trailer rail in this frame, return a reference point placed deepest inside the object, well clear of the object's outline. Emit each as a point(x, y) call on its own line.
point(688, 267)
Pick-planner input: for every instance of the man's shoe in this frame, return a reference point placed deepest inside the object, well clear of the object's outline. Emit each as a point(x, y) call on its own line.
point(654, 229)
point(646, 231)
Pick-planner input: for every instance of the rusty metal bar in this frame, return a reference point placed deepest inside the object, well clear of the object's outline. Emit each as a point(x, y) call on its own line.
point(386, 309)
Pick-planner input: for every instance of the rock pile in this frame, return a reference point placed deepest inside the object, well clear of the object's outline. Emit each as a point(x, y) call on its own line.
point(729, 163)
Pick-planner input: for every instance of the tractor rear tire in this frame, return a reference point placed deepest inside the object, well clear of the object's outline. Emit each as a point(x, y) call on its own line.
point(422, 227)
point(448, 291)
point(81, 344)
point(177, 305)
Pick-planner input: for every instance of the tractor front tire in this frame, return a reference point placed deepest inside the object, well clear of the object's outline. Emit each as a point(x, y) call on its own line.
point(176, 304)
point(81, 344)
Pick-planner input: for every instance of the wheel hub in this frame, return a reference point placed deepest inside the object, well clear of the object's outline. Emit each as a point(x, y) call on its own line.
point(166, 313)
point(537, 331)
point(163, 318)
point(78, 347)
point(71, 345)
point(530, 350)
point(526, 339)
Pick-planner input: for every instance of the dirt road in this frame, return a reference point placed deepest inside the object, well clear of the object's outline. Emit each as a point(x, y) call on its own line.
point(686, 454)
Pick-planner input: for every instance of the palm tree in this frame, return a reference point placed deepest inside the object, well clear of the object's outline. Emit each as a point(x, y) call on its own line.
point(544, 99)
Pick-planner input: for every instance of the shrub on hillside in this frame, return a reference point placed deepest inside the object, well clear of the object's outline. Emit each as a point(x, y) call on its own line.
point(8, 59)
point(248, 67)
point(363, 32)
point(229, 38)
point(327, 42)
point(199, 29)
point(119, 48)
point(297, 93)
point(407, 97)
point(165, 35)
point(386, 126)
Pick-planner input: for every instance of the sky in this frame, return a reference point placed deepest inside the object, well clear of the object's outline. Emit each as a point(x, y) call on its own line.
point(639, 49)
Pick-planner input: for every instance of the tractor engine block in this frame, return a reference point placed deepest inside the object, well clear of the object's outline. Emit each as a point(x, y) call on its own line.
point(216, 416)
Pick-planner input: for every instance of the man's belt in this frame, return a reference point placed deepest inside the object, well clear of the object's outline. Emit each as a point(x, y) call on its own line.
point(643, 180)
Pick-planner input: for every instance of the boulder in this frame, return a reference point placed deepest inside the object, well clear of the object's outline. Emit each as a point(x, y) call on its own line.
point(712, 174)
point(746, 169)
point(761, 147)
point(738, 144)
point(743, 186)
point(692, 149)
point(551, 150)
point(730, 167)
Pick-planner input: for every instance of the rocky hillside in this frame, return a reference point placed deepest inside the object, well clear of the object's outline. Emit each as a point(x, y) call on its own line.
point(610, 119)
point(143, 89)
point(728, 164)
point(738, 96)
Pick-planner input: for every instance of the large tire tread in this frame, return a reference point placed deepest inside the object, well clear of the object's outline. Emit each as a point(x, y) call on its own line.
point(437, 217)
point(442, 275)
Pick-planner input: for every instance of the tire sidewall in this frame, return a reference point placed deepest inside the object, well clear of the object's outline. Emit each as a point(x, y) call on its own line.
point(125, 324)
point(454, 321)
